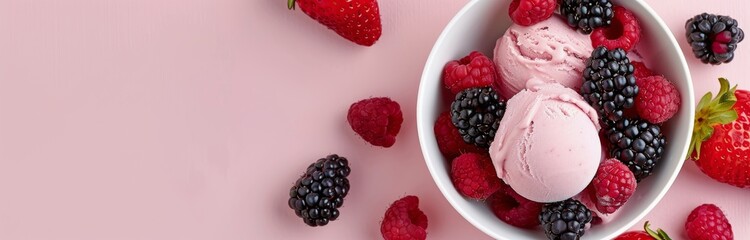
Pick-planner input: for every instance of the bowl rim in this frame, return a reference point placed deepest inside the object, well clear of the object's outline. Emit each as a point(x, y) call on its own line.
point(421, 120)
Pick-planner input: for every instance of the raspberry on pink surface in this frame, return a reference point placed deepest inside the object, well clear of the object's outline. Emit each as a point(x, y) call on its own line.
point(449, 140)
point(658, 100)
point(708, 222)
point(612, 186)
point(514, 209)
point(474, 176)
point(376, 120)
point(624, 32)
point(530, 12)
point(404, 220)
point(474, 70)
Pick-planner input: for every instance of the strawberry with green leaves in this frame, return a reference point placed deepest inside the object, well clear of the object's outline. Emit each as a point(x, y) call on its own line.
point(647, 234)
point(356, 20)
point(721, 138)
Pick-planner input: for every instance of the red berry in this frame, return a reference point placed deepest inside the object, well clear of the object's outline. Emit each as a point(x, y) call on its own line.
point(376, 120)
point(641, 71)
point(474, 175)
point(514, 209)
point(530, 12)
point(474, 70)
point(634, 235)
point(721, 139)
point(612, 186)
point(449, 140)
point(658, 99)
point(404, 221)
point(624, 32)
point(707, 222)
point(647, 234)
point(356, 20)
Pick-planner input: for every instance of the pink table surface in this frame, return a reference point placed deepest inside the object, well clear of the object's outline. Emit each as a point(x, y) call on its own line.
point(190, 119)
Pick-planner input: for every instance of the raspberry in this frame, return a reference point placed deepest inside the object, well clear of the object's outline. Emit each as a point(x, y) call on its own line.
point(474, 70)
point(641, 71)
point(514, 209)
point(530, 12)
point(613, 185)
point(707, 222)
point(404, 221)
point(449, 140)
point(624, 32)
point(474, 175)
point(658, 99)
point(376, 120)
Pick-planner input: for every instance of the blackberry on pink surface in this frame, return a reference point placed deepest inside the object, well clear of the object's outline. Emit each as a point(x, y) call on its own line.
point(319, 193)
point(713, 38)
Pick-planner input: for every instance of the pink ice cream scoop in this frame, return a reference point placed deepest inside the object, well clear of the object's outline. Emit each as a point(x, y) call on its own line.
point(549, 51)
point(547, 147)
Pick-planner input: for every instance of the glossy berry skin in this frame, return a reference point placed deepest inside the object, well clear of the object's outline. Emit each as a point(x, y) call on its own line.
point(319, 193)
point(514, 209)
point(725, 156)
point(635, 235)
point(474, 176)
point(586, 15)
point(641, 70)
point(612, 186)
point(404, 221)
point(708, 222)
point(474, 70)
point(565, 220)
point(713, 38)
point(530, 12)
point(624, 32)
point(638, 144)
point(376, 120)
point(356, 20)
point(477, 112)
point(658, 99)
point(608, 83)
point(449, 140)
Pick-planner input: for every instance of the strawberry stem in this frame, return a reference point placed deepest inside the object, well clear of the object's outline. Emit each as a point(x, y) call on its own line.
point(711, 112)
point(658, 234)
point(290, 4)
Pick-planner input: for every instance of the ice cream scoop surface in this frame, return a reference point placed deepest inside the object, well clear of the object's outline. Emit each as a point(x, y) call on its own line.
point(549, 51)
point(547, 147)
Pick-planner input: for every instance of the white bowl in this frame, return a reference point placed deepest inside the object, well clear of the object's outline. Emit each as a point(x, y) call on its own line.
point(476, 27)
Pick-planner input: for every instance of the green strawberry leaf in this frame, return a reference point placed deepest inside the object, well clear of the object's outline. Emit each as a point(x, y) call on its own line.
point(712, 112)
point(658, 234)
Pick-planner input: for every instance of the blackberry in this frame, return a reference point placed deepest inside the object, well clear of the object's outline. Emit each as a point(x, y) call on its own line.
point(317, 194)
point(476, 112)
point(714, 38)
point(564, 220)
point(609, 84)
point(587, 14)
point(636, 143)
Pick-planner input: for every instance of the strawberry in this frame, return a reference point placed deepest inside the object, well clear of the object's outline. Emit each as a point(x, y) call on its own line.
point(647, 234)
point(720, 144)
point(356, 20)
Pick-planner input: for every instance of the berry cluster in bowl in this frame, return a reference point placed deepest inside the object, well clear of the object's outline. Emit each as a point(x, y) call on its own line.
point(555, 131)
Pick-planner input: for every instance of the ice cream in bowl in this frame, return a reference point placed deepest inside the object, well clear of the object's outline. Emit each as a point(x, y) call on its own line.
point(524, 120)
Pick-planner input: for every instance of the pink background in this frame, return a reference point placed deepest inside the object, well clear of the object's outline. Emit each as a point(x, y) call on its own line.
point(190, 119)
